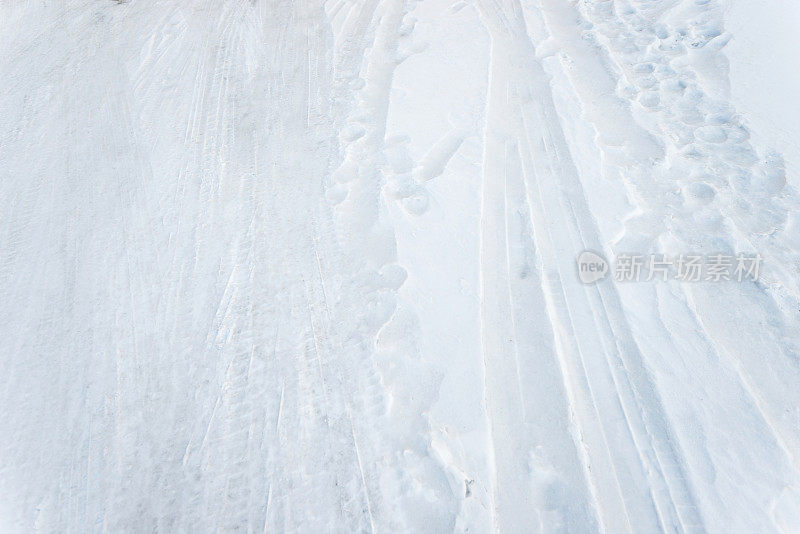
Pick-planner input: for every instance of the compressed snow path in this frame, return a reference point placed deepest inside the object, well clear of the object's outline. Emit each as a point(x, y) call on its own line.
point(274, 266)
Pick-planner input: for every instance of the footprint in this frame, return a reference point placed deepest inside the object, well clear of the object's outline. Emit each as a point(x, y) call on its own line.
point(711, 134)
point(699, 193)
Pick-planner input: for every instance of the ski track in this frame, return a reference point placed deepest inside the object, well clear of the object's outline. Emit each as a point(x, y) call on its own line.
point(213, 333)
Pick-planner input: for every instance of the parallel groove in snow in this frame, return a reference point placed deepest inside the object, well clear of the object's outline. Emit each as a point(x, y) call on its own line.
point(206, 327)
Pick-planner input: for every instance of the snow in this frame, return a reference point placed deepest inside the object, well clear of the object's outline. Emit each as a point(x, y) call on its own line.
point(764, 75)
point(311, 266)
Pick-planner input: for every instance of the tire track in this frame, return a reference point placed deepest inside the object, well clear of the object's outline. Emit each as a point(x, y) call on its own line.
point(604, 362)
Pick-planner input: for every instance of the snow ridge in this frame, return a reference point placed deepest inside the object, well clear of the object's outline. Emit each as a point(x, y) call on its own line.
point(232, 236)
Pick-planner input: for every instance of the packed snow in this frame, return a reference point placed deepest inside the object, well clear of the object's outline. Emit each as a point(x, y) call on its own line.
point(399, 266)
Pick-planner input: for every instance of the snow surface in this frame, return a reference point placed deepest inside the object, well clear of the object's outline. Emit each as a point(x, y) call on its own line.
point(309, 266)
point(764, 76)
